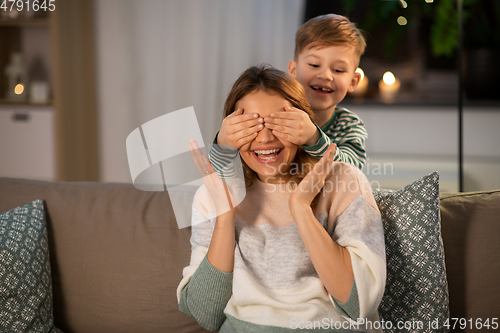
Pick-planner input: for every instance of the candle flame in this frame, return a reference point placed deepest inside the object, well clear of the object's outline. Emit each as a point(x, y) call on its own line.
point(389, 78)
point(360, 71)
point(18, 90)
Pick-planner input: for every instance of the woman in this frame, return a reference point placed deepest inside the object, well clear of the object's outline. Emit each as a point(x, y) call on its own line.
point(305, 247)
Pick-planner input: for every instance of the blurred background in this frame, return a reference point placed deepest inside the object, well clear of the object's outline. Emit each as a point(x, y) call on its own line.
point(79, 76)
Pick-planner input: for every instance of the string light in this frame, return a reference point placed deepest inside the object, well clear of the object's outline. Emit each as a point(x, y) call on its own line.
point(402, 20)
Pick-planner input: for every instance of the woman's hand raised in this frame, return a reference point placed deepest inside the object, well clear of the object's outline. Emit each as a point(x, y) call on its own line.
point(313, 182)
point(220, 194)
point(221, 250)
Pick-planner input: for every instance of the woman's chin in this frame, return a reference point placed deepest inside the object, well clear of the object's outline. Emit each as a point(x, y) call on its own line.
point(271, 175)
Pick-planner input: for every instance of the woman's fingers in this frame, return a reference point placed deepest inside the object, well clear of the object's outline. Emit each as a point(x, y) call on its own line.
point(200, 160)
point(325, 163)
point(314, 180)
point(219, 192)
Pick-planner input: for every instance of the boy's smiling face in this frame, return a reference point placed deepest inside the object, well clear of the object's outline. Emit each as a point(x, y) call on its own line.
point(327, 74)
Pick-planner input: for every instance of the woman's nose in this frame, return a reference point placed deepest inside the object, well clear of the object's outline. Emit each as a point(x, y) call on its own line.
point(265, 135)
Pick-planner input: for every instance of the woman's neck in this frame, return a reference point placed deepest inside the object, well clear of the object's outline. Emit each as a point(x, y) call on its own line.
point(279, 179)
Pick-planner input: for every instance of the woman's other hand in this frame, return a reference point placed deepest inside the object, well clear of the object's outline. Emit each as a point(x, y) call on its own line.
point(313, 182)
point(220, 194)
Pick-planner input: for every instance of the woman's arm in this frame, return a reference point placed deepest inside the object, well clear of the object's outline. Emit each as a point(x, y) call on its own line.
point(334, 269)
point(221, 250)
point(348, 253)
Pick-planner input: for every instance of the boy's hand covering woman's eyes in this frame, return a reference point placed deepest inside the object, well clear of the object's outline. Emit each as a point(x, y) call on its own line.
point(293, 125)
point(239, 129)
point(221, 196)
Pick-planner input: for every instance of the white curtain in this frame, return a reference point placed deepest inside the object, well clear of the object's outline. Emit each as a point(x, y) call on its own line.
point(157, 56)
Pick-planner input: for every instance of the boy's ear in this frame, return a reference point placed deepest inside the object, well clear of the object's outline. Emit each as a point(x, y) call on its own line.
point(354, 82)
point(292, 65)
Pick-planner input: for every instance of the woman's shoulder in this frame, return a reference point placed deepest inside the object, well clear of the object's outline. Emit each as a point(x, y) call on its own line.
point(344, 184)
point(341, 171)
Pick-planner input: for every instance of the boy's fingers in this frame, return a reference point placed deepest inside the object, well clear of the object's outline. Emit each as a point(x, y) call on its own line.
point(284, 136)
point(237, 112)
point(279, 121)
point(238, 116)
point(245, 139)
point(253, 124)
point(279, 128)
point(285, 114)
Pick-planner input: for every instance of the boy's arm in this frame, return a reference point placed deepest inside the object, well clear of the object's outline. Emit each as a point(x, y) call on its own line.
point(349, 134)
point(350, 148)
point(221, 159)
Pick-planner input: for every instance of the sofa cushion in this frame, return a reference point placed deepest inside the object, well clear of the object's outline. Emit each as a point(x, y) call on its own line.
point(25, 276)
point(416, 290)
point(117, 255)
point(471, 234)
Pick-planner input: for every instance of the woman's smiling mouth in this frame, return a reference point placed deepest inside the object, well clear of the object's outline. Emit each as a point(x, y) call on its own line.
point(267, 155)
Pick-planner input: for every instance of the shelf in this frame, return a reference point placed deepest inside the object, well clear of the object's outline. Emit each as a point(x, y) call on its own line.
point(6, 102)
point(35, 22)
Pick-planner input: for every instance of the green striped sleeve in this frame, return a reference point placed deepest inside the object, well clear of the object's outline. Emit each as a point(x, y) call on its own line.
point(222, 160)
point(320, 147)
point(349, 134)
point(206, 295)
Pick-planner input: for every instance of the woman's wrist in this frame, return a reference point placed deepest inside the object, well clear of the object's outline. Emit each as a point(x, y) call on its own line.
point(226, 219)
point(298, 209)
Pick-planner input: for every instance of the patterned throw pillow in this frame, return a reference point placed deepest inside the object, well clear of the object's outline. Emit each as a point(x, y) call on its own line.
point(416, 294)
point(25, 279)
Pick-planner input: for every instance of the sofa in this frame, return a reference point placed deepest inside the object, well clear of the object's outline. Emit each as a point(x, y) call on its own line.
point(117, 254)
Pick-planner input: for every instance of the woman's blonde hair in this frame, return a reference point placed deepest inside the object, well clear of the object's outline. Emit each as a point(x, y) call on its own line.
point(273, 81)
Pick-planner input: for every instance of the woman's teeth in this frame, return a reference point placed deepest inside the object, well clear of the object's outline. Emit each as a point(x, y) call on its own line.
point(267, 154)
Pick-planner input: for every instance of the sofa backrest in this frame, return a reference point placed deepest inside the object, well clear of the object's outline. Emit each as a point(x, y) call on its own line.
point(470, 226)
point(116, 255)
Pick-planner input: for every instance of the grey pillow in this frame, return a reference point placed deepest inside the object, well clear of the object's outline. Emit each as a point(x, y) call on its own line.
point(416, 294)
point(25, 277)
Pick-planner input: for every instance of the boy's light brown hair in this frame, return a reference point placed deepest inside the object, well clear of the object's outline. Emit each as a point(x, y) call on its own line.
point(329, 30)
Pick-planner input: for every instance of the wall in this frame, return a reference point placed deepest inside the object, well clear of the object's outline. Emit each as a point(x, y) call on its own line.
point(154, 57)
point(407, 142)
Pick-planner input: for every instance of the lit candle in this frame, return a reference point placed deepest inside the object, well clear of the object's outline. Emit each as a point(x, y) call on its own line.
point(19, 89)
point(362, 85)
point(389, 87)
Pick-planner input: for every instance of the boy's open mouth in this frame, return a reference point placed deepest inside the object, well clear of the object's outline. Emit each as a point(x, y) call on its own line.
point(267, 154)
point(321, 89)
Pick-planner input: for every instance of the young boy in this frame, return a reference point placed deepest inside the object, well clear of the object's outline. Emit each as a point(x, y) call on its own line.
point(327, 53)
